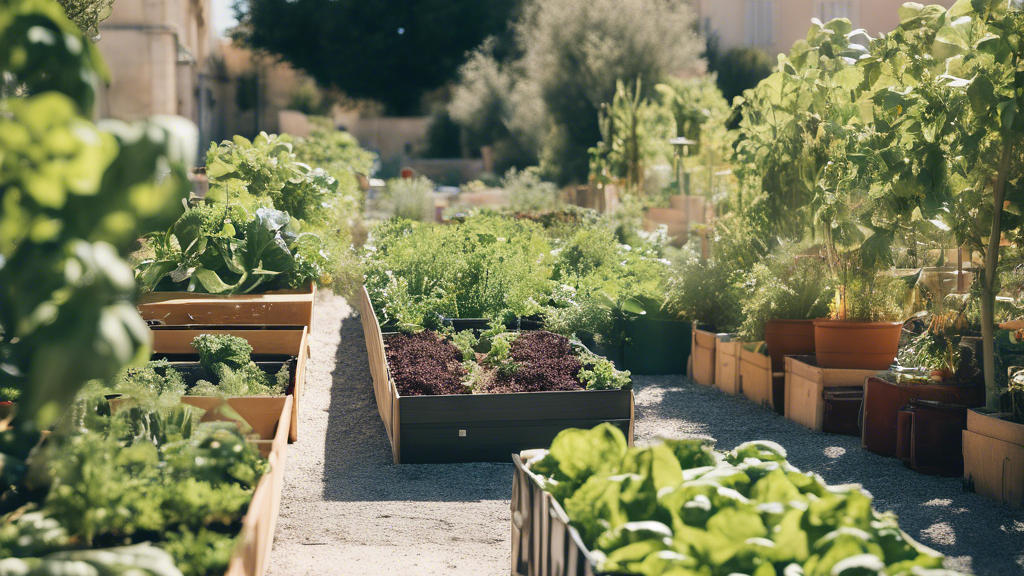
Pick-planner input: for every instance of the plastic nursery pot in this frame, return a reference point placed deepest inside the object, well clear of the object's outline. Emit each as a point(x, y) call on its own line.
point(856, 345)
point(657, 346)
point(788, 338)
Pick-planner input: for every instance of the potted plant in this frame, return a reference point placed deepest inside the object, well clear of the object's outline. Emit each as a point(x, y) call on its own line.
point(788, 291)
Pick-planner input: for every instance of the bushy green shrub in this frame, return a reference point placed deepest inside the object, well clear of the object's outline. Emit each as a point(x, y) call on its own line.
point(785, 286)
point(709, 292)
point(527, 192)
point(410, 198)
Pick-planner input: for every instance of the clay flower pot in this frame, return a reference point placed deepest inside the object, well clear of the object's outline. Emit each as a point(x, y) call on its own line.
point(856, 345)
point(788, 338)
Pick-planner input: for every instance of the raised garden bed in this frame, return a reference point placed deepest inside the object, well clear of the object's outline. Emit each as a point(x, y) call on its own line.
point(272, 348)
point(274, 308)
point(727, 364)
point(462, 427)
point(702, 357)
point(546, 540)
point(993, 449)
point(757, 381)
point(824, 399)
point(656, 346)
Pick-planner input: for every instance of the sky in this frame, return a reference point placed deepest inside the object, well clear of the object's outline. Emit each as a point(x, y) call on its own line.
point(223, 15)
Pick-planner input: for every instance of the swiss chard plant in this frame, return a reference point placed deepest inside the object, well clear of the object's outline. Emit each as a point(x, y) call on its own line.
point(681, 508)
point(219, 248)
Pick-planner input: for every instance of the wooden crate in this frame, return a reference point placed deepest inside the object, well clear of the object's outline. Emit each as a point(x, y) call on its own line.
point(805, 385)
point(727, 365)
point(274, 308)
point(252, 554)
point(702, 357)
point(481, 427)
point(756, 377)
point(286, 341)
point(994, 457)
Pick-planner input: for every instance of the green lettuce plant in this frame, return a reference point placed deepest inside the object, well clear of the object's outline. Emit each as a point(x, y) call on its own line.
point(681, 508)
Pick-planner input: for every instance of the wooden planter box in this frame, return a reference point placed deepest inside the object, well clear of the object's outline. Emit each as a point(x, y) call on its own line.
point(481, 427)
point(284, 341)
point(702, 357)
point(274, 308)
point(544, 543)
point(727, 365)
point(252, 554)
point(823, 399)
point(757, 379)
point(994, 457)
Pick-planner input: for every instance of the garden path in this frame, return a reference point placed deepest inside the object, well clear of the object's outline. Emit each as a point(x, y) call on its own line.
point(347, 510)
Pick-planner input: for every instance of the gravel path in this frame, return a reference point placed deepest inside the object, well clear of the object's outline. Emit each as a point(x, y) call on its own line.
point(362, 515)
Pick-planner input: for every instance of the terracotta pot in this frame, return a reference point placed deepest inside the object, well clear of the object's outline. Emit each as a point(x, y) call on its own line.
point(859, 345)
point(788, 338)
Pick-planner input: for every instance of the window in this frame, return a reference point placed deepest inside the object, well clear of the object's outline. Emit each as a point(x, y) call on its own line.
point(826, 10)
point(760, 27)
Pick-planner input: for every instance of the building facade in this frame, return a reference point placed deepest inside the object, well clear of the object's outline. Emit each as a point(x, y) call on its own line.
point(774, 25)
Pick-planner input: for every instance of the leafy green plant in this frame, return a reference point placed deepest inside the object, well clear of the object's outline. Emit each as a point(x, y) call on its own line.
point(123, 479)
point(785, 287)
point(222, 249)
point(486, 267)
point(75, 195)
point(229, 358)
point(337, 152)
point(679, 507)
point(410, 198)
point(709, 292)
point(634, 134)
point(527, 192)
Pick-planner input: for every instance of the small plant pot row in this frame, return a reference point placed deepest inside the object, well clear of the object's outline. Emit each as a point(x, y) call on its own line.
point(936, 429)
point(480, 427)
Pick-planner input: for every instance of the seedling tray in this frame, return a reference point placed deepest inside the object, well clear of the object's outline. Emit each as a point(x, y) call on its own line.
point(271, 348)
point(481, 427)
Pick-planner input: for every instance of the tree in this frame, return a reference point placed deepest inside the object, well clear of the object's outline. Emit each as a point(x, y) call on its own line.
point(87, 14)
point(388, 51)
point(738, 69)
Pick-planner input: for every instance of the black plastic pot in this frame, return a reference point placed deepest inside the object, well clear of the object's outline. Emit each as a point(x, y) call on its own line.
point(657, 346)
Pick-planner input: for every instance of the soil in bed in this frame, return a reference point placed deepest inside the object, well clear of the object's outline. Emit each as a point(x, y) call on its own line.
point(425, 364)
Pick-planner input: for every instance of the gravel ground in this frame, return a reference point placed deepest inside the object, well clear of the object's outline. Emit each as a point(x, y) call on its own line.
point(364, 515)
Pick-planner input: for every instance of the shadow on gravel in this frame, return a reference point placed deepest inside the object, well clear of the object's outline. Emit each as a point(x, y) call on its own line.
point(358, 463)
point(978, 535)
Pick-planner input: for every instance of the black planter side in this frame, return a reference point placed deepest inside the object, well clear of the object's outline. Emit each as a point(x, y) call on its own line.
point(657, 346)
point(489, 427)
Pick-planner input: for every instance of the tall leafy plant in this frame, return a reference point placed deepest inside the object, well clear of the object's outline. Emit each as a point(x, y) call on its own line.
point(959, 128)
point(75, 195)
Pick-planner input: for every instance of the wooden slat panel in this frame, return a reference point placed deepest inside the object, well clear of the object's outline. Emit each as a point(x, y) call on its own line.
point(275, 308)
point(995, 467)
point(756, 377)
point(174, 341)
point(382, 388)
point(727, 373)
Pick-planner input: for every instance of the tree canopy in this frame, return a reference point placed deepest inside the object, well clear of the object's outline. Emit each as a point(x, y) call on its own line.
point(393, 52)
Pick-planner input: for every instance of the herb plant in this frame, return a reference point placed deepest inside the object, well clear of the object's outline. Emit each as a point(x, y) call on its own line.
point(679, 507)
point(785, 287)
point(229, 358)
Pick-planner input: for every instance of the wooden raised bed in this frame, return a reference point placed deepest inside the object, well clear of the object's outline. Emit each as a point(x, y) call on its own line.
point(702, 357)
point(252, 554)
point(285, 341)
point(480, 427)
point(727, 365)
point(274, 308)
point(544, 543)
point(824, 399)
point(994, 457)
point(757, 382)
